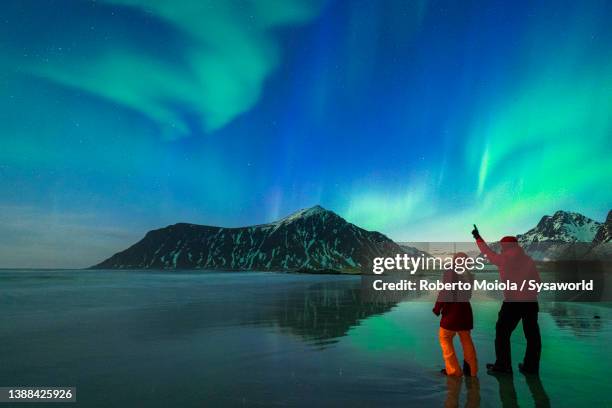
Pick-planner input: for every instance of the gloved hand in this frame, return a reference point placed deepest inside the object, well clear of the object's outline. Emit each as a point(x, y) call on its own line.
point(476, 234)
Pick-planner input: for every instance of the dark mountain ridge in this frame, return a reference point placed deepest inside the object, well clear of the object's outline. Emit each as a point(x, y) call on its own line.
point(309, 240)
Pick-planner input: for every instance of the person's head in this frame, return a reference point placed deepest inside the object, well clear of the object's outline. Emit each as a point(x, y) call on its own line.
point(459, 255)
point(459, 262)
point(509, 243)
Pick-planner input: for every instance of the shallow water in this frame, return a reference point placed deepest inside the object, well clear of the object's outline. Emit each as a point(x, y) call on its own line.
point(132, 338)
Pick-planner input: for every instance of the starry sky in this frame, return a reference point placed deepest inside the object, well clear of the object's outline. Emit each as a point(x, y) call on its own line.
point(414, 118)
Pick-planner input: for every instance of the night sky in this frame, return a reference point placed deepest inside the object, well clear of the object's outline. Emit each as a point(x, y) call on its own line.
point(414, 118)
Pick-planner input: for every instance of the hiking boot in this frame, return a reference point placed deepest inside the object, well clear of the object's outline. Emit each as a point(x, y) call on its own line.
point(466, 369)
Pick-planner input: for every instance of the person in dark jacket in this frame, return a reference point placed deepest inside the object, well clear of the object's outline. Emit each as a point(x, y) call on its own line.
point(516, 267)
point(454, 305)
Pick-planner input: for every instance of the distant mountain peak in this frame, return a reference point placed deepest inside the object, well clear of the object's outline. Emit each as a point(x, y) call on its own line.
point(314, 211)
point(563, 235)
point(560, 217)
point(307, 212)
point(562, 226)
point(316, 208)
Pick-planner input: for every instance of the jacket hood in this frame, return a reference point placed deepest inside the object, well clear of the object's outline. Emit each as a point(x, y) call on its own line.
point(510, 243)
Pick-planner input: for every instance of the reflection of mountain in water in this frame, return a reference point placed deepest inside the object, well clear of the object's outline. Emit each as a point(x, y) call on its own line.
point(576, 317)
point(326, 311)
point(319, 311)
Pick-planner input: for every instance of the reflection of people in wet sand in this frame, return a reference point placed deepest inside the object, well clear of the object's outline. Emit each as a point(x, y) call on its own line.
point(453, 389)
point(540, 398)
point(456, 319)
point(507, 392)
point(516, 267)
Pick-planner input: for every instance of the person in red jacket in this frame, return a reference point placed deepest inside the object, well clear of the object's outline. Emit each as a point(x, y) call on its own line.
point(454, 305)
point(516, 267)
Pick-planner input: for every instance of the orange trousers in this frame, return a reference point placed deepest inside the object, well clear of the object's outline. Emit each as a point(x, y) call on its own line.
point(450, 357)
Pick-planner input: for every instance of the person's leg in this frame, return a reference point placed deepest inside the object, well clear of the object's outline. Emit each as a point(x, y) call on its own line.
point(448, 352)
point(508, 318)
point(469, 351)
point(531, 363)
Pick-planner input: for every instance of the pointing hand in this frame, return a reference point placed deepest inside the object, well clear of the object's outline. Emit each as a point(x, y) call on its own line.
point(475, 232)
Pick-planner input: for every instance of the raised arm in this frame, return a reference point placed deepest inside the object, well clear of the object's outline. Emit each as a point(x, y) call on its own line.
point(491, 255)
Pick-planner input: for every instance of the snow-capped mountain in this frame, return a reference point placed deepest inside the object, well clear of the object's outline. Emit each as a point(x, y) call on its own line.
point(563, 226)
point(311, 240)
point(564, 235)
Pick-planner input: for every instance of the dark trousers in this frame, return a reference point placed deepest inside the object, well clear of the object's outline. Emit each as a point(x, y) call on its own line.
point(509, 316)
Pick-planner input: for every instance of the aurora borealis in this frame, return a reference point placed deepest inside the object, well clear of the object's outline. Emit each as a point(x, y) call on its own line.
point(414, 118)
